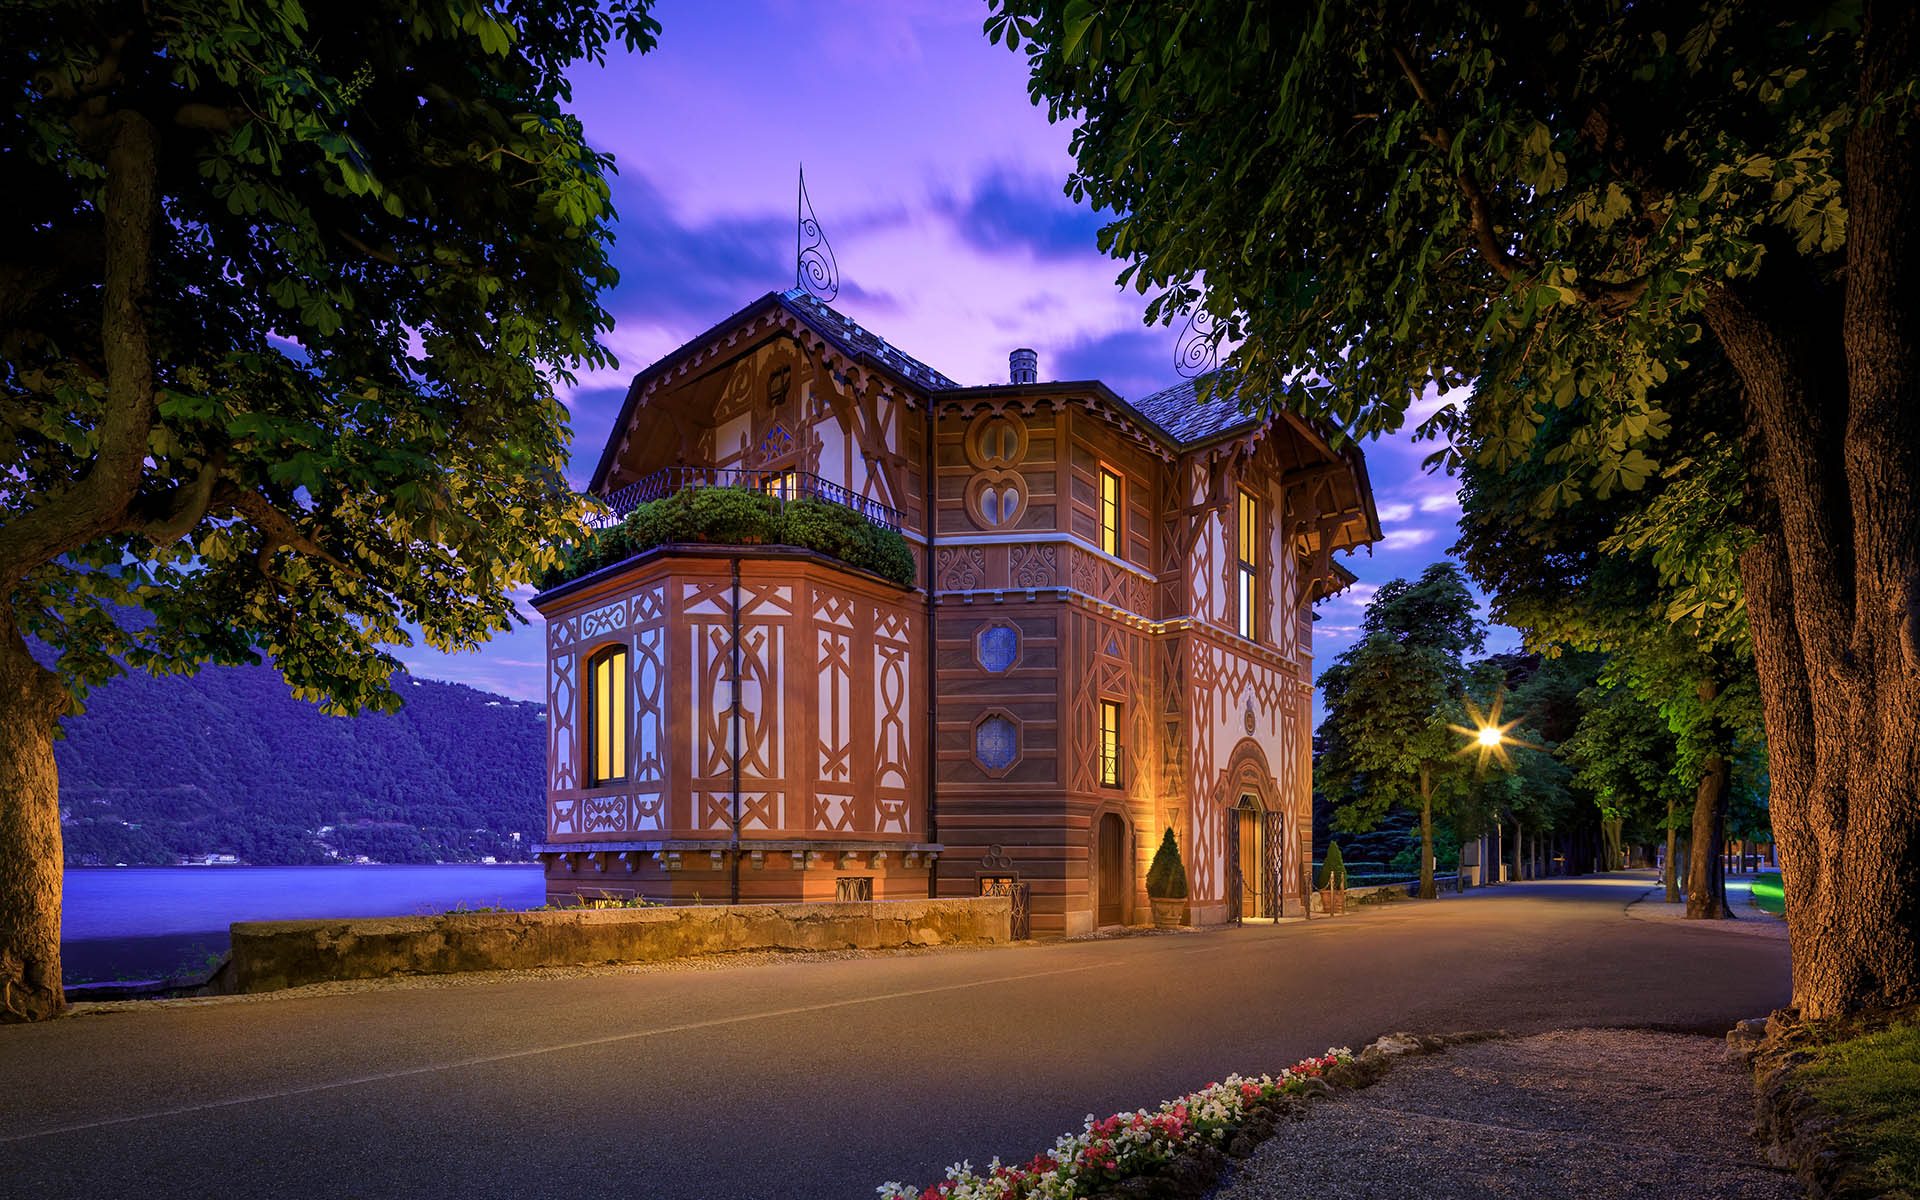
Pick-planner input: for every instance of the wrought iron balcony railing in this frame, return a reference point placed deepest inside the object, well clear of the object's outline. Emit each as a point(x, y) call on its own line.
point(783, 486)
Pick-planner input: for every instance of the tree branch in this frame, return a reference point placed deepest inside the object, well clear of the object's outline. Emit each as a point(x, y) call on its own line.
point(1610, 297)
point(198, 115)
point(190, 504)
point(377, 255)
point(280, 532)
point(1480, 212)
point(97, 502)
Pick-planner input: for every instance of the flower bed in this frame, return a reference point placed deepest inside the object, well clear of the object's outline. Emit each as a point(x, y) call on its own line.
point(1126, 1145)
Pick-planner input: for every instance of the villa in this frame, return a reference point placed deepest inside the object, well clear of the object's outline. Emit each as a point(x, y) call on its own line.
point(1108, 635)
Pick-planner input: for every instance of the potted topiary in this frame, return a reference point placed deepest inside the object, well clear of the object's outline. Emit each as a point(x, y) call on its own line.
point(1333, 881)
point(1167, 884)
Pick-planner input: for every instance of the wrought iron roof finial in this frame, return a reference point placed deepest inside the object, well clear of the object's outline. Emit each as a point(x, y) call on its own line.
point(1199, 351)
point(813, 267)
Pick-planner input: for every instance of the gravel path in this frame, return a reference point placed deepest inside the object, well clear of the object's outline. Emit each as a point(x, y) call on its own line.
point(1600, 1114)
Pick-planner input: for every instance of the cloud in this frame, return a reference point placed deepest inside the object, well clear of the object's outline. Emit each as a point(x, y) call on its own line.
point(1394, 513)
point(1444, 502)
point(1027, 213)
point(1134, 362)
point(1407, 537)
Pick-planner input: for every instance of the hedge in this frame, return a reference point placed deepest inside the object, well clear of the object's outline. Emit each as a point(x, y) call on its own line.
point(733, 516)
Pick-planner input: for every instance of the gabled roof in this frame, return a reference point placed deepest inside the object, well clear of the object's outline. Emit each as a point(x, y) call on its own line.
point(847, 335)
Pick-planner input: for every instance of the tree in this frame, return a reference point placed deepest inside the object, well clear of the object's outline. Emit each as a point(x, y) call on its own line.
point(1391, 699)
point(285, 292)
point(1565, 204)
point(1649, 576)
point(1522, 782)
point(1626, 755)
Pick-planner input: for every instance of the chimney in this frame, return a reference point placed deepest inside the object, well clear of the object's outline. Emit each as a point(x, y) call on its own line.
point(1023, 366)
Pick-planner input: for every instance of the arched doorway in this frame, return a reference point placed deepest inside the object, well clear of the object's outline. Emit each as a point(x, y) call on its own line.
point(1115, 879)
point(1259, 871)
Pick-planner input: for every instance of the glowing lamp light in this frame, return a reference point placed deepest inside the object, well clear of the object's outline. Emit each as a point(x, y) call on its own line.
point(1488, 734)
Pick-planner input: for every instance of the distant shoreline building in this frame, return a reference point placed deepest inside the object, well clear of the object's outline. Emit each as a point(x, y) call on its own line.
point(1110, 635)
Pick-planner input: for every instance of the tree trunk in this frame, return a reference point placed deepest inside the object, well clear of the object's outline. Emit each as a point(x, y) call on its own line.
point(1833, 588)
point(1673, 876)
point(31, 700)
point(1707, 882)
point(1426, 836)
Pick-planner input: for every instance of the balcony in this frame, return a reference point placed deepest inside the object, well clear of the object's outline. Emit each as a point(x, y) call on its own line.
point(782, 486)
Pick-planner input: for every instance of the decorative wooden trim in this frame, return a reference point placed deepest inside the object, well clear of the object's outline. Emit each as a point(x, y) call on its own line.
point(980, 457)
point(1001, 480)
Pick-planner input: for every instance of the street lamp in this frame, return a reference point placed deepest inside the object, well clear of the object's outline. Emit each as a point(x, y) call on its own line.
point(1487, 734)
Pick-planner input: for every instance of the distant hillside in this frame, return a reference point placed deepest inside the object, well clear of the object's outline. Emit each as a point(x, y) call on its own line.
point(228, 762)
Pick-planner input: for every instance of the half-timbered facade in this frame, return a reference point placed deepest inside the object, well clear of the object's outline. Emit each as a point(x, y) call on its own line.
point(1110, 636)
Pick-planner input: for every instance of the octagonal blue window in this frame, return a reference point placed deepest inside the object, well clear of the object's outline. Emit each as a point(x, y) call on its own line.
point(996, 743)
point(999, 646)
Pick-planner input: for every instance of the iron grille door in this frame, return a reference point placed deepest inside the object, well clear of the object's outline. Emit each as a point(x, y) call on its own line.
point(1235, 882)
point(1273, 830)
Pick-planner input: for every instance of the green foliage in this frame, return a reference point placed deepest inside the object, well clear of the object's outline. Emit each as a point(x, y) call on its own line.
point(1391, 696)
point(1534, 199)
point(736, 517)
point(1166, 874)
point(1333, 872)
point(1624, 753)
point(374, 245)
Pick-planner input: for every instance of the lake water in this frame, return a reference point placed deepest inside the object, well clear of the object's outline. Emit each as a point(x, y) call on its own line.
point(131, 921)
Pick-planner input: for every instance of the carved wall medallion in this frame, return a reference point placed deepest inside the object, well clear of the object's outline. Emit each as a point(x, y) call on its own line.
point(1032, 566)
point(960, 568)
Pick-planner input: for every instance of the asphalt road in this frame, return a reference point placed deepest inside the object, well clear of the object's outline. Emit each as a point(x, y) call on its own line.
point(808, 1078)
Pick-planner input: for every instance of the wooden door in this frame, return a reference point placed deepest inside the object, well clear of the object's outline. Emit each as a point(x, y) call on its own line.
point(1113, 871)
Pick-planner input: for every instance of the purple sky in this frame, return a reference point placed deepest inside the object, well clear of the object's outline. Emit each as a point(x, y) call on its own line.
point(938, 186)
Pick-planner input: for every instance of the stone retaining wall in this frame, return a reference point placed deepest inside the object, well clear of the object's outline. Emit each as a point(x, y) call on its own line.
point(268, 955)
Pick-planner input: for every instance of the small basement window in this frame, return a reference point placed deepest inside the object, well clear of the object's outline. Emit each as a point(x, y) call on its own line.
point(853, 887)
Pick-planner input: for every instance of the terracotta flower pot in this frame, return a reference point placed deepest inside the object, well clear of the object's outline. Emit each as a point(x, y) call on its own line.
point(1326, 901)
point(1169, 914)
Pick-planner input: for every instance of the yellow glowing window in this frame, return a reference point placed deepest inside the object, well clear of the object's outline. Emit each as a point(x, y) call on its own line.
point(783, 485)
point(1109, 743)
point(1247, 556)
point(607, 715)
point(1110, 513)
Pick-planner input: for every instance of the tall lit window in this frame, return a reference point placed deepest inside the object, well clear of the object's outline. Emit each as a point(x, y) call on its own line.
point(607, 715)
point(1110, 512)
point(1109, 743)
point(1245, 587)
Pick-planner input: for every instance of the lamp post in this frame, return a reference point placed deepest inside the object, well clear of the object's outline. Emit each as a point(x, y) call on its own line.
point(1489, 735)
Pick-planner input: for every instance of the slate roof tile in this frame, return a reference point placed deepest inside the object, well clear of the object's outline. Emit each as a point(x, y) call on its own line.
point(854, 338)
point(1182, 416)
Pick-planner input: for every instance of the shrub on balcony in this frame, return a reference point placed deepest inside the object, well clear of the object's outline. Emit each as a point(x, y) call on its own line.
point(731, 516)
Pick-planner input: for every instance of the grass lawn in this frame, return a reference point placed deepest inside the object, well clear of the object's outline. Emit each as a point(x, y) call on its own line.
point(1768, 894)
point(1872, 1084)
